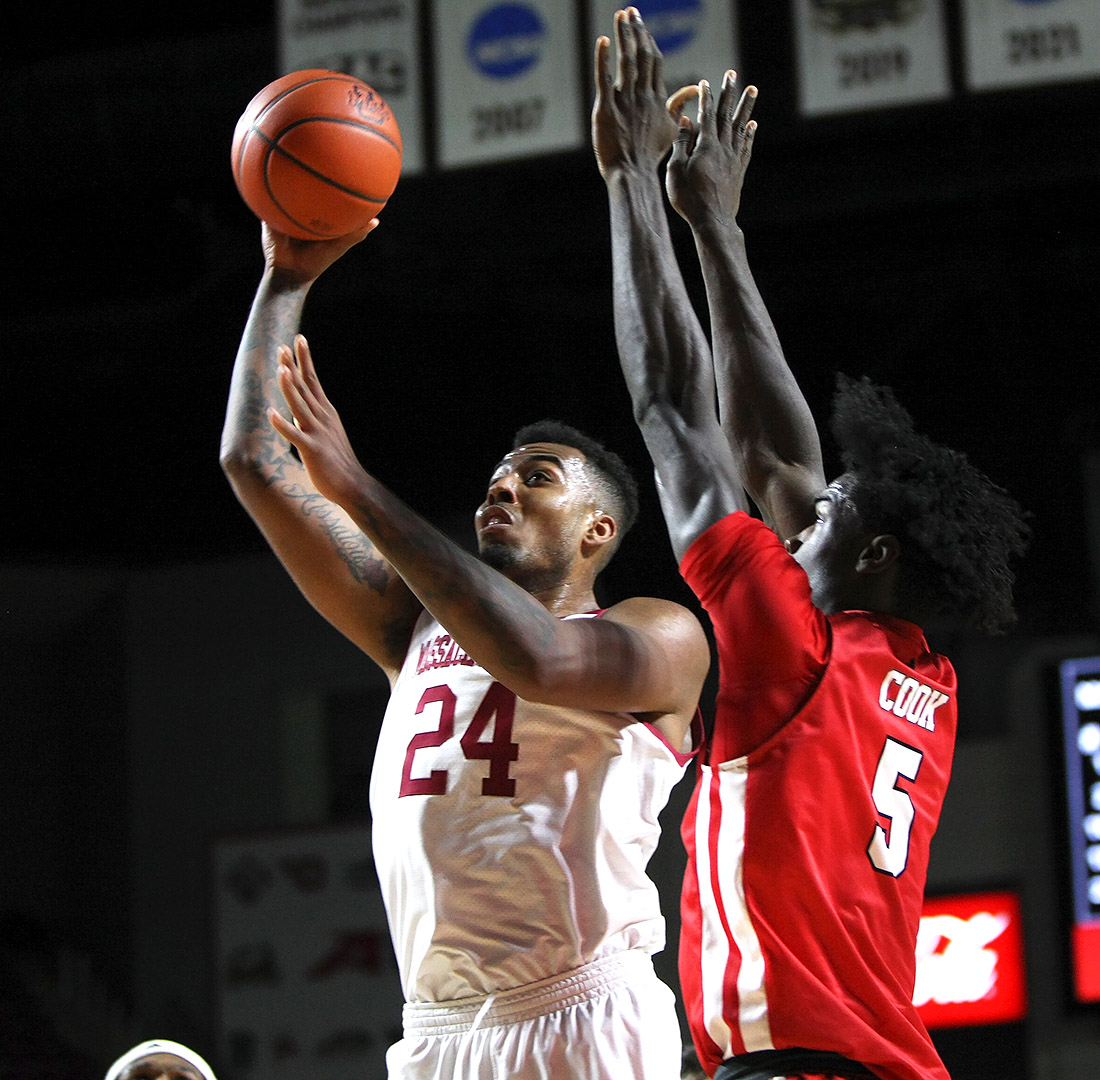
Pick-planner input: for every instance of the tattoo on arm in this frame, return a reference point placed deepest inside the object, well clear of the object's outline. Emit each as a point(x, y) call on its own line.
point(367, 567)
point(282, 469)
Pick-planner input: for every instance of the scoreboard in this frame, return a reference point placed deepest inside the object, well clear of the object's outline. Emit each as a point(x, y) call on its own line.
point(1079, 682)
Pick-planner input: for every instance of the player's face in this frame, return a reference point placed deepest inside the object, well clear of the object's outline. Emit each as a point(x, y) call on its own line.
point(160, 1067)
point(829, 549)
point(534, 515)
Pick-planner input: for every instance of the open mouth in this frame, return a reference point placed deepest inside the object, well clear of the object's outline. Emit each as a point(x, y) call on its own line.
point(494, 519)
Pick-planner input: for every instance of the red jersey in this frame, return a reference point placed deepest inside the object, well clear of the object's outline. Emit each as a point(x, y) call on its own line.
point(808, 832)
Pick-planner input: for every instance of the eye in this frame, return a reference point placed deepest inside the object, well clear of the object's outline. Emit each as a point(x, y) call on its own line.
point(537, 476)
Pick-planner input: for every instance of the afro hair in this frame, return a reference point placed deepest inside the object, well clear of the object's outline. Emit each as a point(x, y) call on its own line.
point(959, 530)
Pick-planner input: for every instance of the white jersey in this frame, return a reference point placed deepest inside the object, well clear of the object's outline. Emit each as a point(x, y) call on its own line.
point(510, 838)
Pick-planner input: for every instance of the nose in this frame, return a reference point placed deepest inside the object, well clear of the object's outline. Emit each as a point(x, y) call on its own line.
point(501, 490)
point(793, 543)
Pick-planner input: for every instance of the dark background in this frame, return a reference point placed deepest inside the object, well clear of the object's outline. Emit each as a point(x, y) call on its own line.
point(949, 250)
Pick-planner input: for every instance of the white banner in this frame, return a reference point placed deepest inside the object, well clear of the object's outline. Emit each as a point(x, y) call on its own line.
point(1023, 42)
point(377, 41)
point(306, 981)
point(507, 80)
point(862, 54)
point(698, 38)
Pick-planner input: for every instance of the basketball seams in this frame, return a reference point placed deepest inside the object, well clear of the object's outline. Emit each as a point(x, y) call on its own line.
point(346, 81)
point(360, 125)
point(273, 147)
point(288, 182)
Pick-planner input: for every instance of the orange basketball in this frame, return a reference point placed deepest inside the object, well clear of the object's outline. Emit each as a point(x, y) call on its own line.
point(316, 154)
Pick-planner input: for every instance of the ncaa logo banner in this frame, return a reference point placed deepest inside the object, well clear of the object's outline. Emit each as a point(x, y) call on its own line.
point(377, 41)
point(863, 54)
point(698, 38)
point(507, 79)
point(1025, 42)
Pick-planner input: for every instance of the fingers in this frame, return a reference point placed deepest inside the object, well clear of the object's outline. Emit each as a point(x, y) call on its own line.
point(280, 424)
point(705, 119)
point(678, 99)
point(682, 147)
point(603, 67)
point(645, 50)
point(727, 103)
point(290, 383)
point(359, 235)
point(628, 52)
point(750, 134)
point(297, 378)
point(304, 358)
point(742, 127)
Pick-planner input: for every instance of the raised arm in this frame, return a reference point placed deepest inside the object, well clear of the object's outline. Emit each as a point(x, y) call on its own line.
point(336, 567)
point(647, 656)
point(764, 415)
point(663, 351)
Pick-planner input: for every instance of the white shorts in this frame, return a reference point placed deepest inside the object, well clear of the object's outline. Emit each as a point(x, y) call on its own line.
point(612, 1019)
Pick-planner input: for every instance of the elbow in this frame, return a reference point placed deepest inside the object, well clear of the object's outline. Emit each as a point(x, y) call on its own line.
point(655, 413)
point(240, 465)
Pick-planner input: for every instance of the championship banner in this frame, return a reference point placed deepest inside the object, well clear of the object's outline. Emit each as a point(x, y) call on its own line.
point(698, 38)
point(863, 54)
point(1025, 42)
point(507, 84)
point(377, 41)
point(306, 981)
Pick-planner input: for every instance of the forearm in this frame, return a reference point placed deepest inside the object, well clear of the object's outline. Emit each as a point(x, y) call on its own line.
point(662, 348)
point(666, 362)
point(334, 565)
point(250, 446)
point(763, 413)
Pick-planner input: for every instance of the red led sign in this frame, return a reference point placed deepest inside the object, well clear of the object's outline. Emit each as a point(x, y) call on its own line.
point(970, 961)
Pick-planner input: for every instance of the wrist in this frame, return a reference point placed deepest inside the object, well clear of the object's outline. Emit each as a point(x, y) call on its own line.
point(282, 280)
point(632, 174)
point(713, 229)
point(636, 191)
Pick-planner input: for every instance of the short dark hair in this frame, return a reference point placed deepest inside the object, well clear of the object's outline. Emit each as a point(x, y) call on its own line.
point(959, 530)
point(611, 473)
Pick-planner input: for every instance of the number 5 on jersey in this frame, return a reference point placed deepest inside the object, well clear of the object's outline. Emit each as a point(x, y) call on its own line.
point(497, 706)
point(889, 853)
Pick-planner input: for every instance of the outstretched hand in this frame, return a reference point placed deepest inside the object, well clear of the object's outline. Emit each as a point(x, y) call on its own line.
point(317, 430)
point(303, 261)
point(631, 126)
point(709, 158)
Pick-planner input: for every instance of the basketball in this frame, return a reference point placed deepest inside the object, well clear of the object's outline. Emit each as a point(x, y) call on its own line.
point(316, 154)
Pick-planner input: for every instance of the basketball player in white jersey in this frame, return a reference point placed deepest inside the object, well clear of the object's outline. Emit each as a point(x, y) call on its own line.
point(531, 739)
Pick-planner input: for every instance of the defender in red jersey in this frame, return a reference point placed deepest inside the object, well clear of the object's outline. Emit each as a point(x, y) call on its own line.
point(809, 829)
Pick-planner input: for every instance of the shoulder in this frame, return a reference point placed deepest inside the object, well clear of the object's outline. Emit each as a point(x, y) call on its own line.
point(663, 620)
point(727, 539)
point(740, 556)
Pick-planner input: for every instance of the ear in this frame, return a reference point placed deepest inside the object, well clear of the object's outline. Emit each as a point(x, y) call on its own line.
point(879, 554)
point(602, 529)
